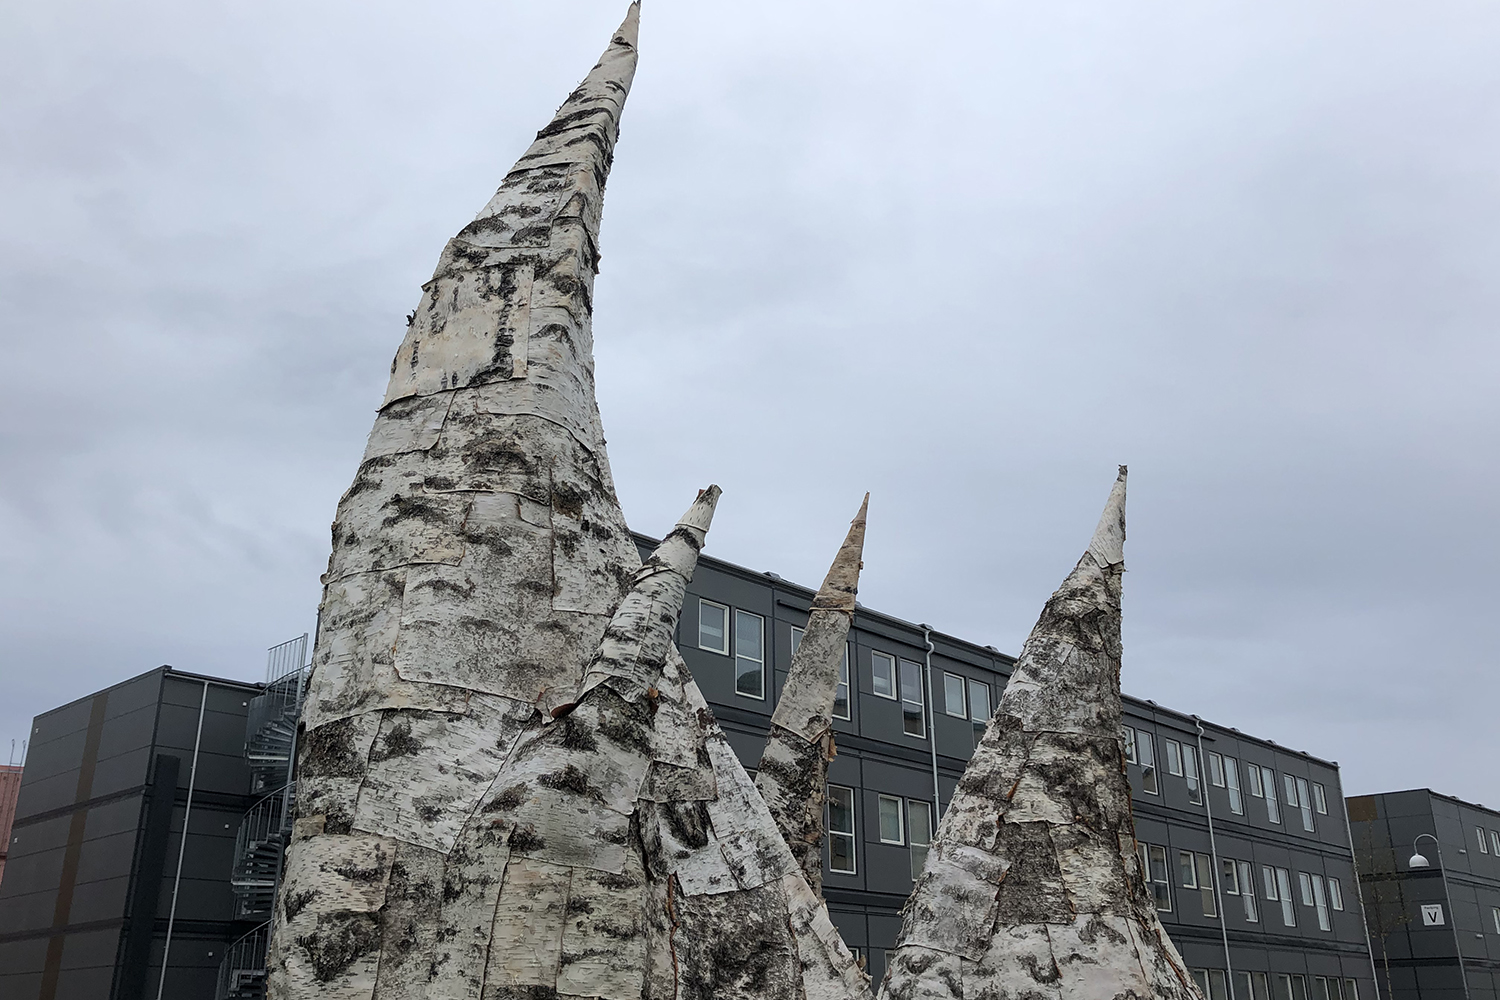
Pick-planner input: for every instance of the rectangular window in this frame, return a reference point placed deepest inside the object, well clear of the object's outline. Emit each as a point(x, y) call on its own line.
point(979, 708)
point(1289, 783)
point(883, 675)
point(841, 829)
point(1351, 990)
point(891, 826)
point(749, 654)
point(840, 693)
point(1218, 985)
point(1216, 769)
point(1228, 878)
point(1482, 848)
point(1145, 752)
point(1299, 988)
point(1321, 990)
point(1320, 902)
point(919, 821)
point(1283, 986)
point(1252, 774)
point(1127, 738)
point(1304, 802)
point(1335, 893)
point(1173, 750)
point(1247, 891)
point(1495, 841)
point(1188, 868)
point(1190, 772)
point(1495, 918)
point(1232, 781)
point(1206, 885)
point(913, 705)
point(713, 627)
point(1284, 890)
point(1304, 882)
point(1252, 986)
point(1273, 807)
point(1154, 868)
point(1320, 801)
point(954, 702)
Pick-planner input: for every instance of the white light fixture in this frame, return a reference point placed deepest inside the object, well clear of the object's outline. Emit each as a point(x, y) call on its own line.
point(1417, 861)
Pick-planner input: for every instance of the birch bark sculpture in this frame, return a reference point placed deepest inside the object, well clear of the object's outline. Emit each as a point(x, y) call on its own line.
point(1033, 886)
point(509, 785)
point(793, 773)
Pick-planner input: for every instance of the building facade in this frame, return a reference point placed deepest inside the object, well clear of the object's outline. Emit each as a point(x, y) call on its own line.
point(100, 885)
point(1434, 927)
point(1246, 842)
point(10, 789)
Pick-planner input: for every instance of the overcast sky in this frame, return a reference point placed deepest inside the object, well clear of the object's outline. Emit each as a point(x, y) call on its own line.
point(966, 256)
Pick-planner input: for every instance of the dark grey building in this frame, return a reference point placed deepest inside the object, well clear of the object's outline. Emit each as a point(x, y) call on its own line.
point(1246, 841)
point(99, 879)
point(1434, 926)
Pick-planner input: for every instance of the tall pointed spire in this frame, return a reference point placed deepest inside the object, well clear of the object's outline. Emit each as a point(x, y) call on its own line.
point(477, 559)
point(1033, 886)
point(793, 772)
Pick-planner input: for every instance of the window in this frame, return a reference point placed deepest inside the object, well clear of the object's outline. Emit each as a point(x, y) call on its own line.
point(1278, 883)
point(1495, 918)
point(840, 693)
point(1265, 777)
point(1190, 772)
point(1252, 774)
point(1145, 752)
point(1216, 769)
point(883, 674)
point(749, 654)
point(1247, 891)
point(1232, 780)
point(1154, 871)
point(1299, 988)
point(1212, 983)
point(1326, 989)
point(1351, 990)
point(1304, 801)
point(979, 708)
point(841, 829)
point(1252, 986)
point(1320, 903)
point(913, 706)
point(891, 827)
point(1495, 841)
point(1127, 738)
point(1198, 873)
point(1482, 848)
point(1335, 894)
point(1173, 750)
point(1283, 986)
point(1320, 803)
point(713, 627)
point(919, 819)
point(954, 702)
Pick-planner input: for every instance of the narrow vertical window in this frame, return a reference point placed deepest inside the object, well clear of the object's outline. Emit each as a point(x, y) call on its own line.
point(1145, 751)
point(891, 826)
point(883, 674)
point(1273, 807)
point(1127, 738)
point(749, 654)
point(913, 706)
point(1206, 885)
point(1320, 798)
point(1227, 877)
point(1161, 887)
point(1173, 751)
point(1188, 868)
point(954, 702)
point(841, 829)
point(1284, 890)
point(1495, 918)
point(1247, 891)
point(1304, 802)
point(1335, 893)
point(1252, 772)
point(1482, 848)
point(713, 627)
point(1260, 986)
point(919, 832)
point(1299, 988)
point(1190, 773)
point(1320, 903)
point(1216, 769)
point(1218, 985)
point(1232, 781)
point(1495, 841)
point(1351, 990)
point(979, 708)
point(1281, 981)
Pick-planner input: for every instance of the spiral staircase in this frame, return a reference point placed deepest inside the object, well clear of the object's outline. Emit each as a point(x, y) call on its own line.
point(260, 845)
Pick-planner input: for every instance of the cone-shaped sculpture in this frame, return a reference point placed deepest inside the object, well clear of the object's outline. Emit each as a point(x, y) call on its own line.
point(793, 772)
point(1033, 885)
point(477, 559)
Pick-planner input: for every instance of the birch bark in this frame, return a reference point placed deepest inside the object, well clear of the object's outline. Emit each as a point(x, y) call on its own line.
point(793, 773)
point(1033, 885)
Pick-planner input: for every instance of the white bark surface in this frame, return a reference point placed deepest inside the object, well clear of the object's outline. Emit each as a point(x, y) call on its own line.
point(793, 773)
point(1033, 885)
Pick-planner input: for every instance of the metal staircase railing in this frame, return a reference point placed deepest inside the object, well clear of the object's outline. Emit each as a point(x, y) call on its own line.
point(260, 845)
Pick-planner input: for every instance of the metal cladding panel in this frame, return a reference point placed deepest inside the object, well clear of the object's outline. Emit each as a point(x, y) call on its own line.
point(121, 772)
point(108, 857)
point(35, 871)
point(124, 732)
point(56, 756)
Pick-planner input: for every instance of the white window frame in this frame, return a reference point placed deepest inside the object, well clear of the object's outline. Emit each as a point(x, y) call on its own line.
point(853, 868)
point(1495, 841)
point(1145, 744)
point(1247, 891)
point(980, 724)
point(1192, 774)
point(1483, 847)
point(1320, 903)
point(1216, 769)
point(881, 801)
point(1320, 798)
point(919, 849)
point(735, 644)
point(1173, 751)
point(1495, 917)
point(704, 602)
point(1147, 853)
point(1127, 740)
point(921, 703)
point(1254, 781)
point(1335, 894)
point(1232, 782)
point(949, 680)
point(1284, 889)
point(1305, 806)
point(894, 694)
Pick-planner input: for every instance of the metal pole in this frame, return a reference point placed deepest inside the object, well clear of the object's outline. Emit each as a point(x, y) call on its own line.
point(1213, 849)
point(187, 814)
point(937, 801)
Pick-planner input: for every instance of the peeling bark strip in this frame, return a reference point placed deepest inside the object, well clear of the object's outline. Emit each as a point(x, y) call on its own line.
point(793, 772)
point(1033, 886)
